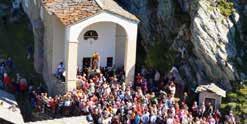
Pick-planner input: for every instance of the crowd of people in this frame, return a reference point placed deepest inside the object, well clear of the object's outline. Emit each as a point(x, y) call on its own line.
point(105, 98)
point(8, 83)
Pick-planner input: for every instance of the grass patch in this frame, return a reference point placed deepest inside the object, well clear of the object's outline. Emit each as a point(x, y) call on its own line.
point(236, 101)
point(210, 8)
point(232, 95)
point(243, 91)
point(226, 7)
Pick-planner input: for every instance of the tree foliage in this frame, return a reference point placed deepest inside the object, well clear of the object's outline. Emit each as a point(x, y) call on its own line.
point(160, 56)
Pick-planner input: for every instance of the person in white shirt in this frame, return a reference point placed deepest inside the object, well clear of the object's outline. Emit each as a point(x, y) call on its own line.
point(203, 108)
point(59, 70)
point(182, 51)
point(102, 79)
point(157, 76)
point(211, 120)
point(153, 118)
point(231, 118)
point(156, 80)
point(170, 120)
point(145, 118)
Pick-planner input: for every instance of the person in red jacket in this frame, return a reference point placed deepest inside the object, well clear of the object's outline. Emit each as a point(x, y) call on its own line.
point(23, 85)
point(217, 116)
point(53, 104)
point(6, 81)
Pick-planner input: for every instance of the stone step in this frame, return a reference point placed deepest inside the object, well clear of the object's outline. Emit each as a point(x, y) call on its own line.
point(71, 120)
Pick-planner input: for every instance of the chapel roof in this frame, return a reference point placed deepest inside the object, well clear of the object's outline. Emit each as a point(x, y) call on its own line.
point(212, 88)
point(73, 11)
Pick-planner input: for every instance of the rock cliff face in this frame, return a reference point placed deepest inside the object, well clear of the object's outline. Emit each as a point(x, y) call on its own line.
point(213, 38)
point(210, 45)
point(156, 18)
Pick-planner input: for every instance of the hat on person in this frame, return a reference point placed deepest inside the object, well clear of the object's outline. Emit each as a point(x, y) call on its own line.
point(163, 93)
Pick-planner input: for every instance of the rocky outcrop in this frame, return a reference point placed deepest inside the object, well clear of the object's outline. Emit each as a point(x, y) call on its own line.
point(156, 18)
point(197, 29)
point(33, 13)
point(38, 32)
point(213, 38)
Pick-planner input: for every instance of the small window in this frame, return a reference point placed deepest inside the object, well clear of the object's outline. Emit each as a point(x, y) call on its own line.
point(109, 61)
point(86, 62)
point(91, 34)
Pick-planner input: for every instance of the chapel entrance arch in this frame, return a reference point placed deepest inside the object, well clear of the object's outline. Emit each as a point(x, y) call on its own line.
point(108, 40)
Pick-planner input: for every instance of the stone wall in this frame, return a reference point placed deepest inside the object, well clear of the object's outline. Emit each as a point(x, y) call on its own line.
point(43, 37)
point(33, 13)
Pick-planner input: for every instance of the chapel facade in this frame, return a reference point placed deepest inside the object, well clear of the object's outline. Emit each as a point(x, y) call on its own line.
point(73, 31)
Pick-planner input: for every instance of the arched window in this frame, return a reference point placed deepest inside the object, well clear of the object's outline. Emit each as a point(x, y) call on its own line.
point(91, 34)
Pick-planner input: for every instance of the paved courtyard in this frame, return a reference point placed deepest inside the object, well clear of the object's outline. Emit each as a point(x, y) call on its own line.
point(15, 116)
point(6, 112)
point(71, 120)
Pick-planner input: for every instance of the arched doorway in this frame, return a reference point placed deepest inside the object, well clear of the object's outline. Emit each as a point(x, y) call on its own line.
point(108, 39)
point(123, 28)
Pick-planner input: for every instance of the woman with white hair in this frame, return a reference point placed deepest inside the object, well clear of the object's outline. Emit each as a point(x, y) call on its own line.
point(23, 85)
point(6, 81)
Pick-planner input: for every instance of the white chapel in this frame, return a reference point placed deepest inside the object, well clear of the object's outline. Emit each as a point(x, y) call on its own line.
point(76, 29)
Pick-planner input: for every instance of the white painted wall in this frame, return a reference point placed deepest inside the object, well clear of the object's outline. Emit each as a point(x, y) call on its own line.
point(73, 32)
point(129, 26)
point(104, 45)
point(121, 40)
point(70, 42)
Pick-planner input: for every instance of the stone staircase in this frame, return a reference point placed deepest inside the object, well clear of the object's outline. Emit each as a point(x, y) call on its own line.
point(70, 120)
point(57, 87)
